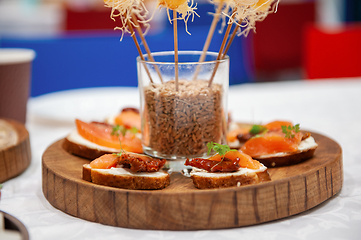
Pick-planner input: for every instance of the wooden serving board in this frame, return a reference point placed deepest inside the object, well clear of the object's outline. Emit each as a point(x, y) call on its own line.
point(16, 158)
point(181, 206)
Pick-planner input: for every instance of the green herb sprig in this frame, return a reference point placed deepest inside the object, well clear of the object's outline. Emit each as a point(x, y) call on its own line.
point(120, 129)
point(290, 130)
point(256, 129)
point(219, 148)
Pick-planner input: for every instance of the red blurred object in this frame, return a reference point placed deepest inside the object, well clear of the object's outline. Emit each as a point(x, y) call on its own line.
point(89, 19)
point(278, 39)
point(333, 53)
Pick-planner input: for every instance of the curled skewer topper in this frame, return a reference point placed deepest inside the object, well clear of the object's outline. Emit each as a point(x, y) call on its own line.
point(125, 10)
point(184, 8)
point(222, 8)
point(248, 12)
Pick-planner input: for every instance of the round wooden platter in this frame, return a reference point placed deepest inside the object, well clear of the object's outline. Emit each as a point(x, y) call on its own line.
point(15, 158)
point(181, 206)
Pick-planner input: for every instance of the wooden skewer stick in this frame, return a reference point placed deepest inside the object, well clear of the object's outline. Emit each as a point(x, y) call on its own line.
point(231, 39)
point(147, 49)
point(138, 48)
point(220, 53)
point(175, 33)
point(209, 38)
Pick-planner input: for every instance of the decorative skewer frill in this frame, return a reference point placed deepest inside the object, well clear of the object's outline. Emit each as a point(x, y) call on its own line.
point(244, 15)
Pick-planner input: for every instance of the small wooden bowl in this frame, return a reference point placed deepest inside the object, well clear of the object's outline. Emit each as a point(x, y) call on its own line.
point(15, 158)
point(13, 224)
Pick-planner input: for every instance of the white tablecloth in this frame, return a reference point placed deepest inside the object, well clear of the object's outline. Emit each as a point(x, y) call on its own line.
point(332, 108)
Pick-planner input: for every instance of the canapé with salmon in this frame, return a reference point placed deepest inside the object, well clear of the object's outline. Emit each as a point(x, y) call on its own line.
point(127, 170)
point(280, 143)
point(226, 168)
point(93, 139)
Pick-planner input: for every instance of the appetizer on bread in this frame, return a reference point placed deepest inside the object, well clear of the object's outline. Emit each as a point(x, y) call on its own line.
point(280, 144)
point(127, 170)
point(227, 168)
point(94, 139)
point(129, 118)
point(239, 133)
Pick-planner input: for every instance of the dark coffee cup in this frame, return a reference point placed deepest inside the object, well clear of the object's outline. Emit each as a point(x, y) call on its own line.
point(15, 77)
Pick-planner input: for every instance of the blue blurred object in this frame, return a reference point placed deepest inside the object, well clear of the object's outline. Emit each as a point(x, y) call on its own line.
point(94, 59)
point(352, 10)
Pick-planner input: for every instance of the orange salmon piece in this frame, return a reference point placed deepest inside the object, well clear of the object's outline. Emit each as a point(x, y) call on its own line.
point(271, 142)
point(128, 119)
point(245, 161)
point(106, 161)
point(276, 125)
point(101, 134)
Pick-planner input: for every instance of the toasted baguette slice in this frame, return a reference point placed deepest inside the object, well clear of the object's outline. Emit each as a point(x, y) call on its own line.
point(77, 145)
point(244, 176)
point(306, 150)
point(124, 178)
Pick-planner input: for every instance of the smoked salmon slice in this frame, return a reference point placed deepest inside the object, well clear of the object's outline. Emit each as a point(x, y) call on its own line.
point(136, 162)
point(106, 161)
point(101, 134)
point(270, 143)
point(277, 125)
point(129, 118)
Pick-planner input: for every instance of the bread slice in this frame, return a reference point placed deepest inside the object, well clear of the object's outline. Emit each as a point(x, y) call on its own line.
point(306, 150)
point(124, 178)
point(77, 145)
point(244, 176)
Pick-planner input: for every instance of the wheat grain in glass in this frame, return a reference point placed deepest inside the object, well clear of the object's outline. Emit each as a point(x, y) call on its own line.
point(183, 103)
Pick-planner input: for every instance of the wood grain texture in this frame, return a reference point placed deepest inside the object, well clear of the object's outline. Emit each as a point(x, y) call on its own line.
point(180, 206)
point(15, 159)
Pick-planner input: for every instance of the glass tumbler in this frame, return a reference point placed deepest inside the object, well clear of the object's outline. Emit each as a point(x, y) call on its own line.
point(183, 105)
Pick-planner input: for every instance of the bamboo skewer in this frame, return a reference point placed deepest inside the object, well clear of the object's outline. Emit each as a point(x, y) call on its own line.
point(220, 53)
point(175, 33)
point(209, 38)
point(230, 40)
point(138, 48)
point(141, 35)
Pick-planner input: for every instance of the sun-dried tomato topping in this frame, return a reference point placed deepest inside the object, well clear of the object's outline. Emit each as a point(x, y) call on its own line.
point(136, 110)
point(226, 165)
point(243, 137)
point(140, 163)
point(305, 135)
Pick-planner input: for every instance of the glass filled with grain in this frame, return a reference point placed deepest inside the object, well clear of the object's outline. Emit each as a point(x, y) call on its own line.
point(183, 104)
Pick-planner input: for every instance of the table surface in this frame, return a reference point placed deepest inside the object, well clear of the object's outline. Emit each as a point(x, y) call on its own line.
point(329, 107)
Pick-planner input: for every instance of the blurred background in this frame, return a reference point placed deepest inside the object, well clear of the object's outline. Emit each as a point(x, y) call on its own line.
point(76, 45)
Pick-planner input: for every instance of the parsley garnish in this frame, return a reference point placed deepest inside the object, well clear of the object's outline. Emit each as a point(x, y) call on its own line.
point(117, 130)
point(219, 148)
point(257, 129)
point(133, 130)
point(290, 130)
